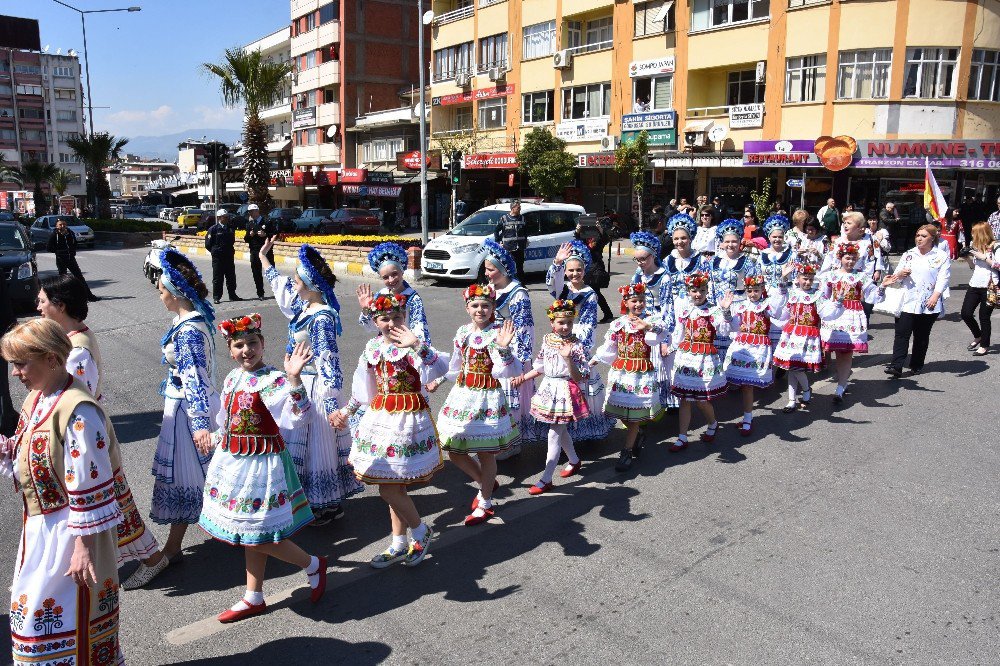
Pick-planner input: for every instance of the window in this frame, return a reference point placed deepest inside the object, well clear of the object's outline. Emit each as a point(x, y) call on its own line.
point(864, 74)
point(930, 73)
point(329, 95)
point(29, 155)
point(27, 69)
point(983, 81)
point(30, 113)
point(310, 60)
point(6, 90)
point(62, 71)
point(539, 40)
point(742, 88)
point(707, 14)
point(653, 94)
point(4, 66)
point(310, 21)
point(382, 150)
point(33, 135)
point(29, 90)
point(538, 107)
point(7, 135)
point(452, 61)
point(66, 136)
point(493, 113)
point(311, 136)
point(800, 3)
point(462, 118)
point(653, 17)
point(6, 112)
point(69, 158)
point(66, 115)
point(330, 12)
point(574, 34)
point(493, 52)
point(805, 78)
point(600, 33)
point(62, 93)
point(556, 221)
point(587, 101)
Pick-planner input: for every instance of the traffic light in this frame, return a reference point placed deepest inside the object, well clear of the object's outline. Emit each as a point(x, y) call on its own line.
point(455, 168)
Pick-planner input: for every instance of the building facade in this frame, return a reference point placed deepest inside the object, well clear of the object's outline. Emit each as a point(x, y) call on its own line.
point(731, 92)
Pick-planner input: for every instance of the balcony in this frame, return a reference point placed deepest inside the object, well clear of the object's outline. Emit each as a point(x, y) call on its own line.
point(457, 14)
point(282, 108)
point(316, 77)
point(323, 153)
point(300, 7)
point(324, 35)
point(329, 114)
point(591, 48)
point(487, 3)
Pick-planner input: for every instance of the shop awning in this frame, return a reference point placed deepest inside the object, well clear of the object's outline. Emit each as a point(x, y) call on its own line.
point(279, 146)
point(699, 125)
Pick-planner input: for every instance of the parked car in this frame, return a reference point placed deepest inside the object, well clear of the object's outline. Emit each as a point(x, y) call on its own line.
point(17, 266)
point(190, 218)
point(459, 254)
point(313, 219)
point(284, 218)
point(354, 220)
point(165, 213)
point(7, 217)
point(45, 226)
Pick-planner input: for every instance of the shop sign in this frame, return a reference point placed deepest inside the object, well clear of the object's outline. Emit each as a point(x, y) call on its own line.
point(304, 117)
point(279, 177)
point(353, 175)
point(651, 67)
point(588, 129)
point(410, 160)
point(656, 137)
point(383, 191)
point(466, 97)
point(326, 177)
point(942, 154)
point(786, 152)
point(636, 122)
point(490, 161)
point(742, 116)
point(381, 177)
point(595, 160)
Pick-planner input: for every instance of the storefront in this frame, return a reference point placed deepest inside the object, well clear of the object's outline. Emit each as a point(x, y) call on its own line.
point(487, 177)
point(600, 187)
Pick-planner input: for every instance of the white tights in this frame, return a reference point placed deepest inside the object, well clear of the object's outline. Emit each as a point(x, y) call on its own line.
point(797, 380)
point(559, 440)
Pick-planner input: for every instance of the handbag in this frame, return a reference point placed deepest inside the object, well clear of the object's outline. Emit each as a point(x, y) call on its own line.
point(993, 293)
point(892, 302)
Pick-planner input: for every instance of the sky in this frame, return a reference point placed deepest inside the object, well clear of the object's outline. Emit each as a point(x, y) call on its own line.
point(146, 65)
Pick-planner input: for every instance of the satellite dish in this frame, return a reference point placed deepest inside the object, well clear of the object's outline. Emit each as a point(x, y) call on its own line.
point(331, 131)
point(428, 17)
point(717, 133)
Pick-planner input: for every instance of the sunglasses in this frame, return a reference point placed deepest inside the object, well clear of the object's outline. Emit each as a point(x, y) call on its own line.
point(706, 215)
point(642, 260)
point(748, 217)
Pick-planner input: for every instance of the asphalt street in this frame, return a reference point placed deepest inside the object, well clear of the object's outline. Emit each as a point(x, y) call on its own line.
point(861, 534)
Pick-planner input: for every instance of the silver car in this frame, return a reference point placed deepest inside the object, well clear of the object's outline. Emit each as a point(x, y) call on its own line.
point(45, 226)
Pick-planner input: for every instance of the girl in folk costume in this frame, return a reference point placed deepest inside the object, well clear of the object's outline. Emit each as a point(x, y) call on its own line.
point(631, 343)
point(395, 443)
point(63, 458)
point(846, 331)
point(389, 261)
point(748, 359)
point(476, 418)
point(681, 262)
point(728, 272)
point(63, 299)
point(513, 303)
point(571, 263)
point(651, 273)
point(697, 371)
point(559, 399)
point(871, 258)
point(190, 400)
point(253, 497)
point(319, 452)
point(813, 249)
point(776, 264)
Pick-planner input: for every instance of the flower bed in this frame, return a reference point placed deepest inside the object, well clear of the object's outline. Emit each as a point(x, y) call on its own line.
point(343, 240)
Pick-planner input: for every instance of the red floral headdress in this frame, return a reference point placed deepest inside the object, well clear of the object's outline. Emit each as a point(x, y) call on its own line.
point(696, 279)
point(805, 268)
point(847, 248)
point(754, 281)
point(239, 327)
point(386, 304)
point(561, 308)
point(485, 292)
point(630, 290)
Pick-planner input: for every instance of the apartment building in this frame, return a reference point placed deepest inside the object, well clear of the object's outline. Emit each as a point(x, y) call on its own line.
point(63, 95)
point(731, 92)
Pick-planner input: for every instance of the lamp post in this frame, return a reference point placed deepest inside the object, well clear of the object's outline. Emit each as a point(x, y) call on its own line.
point(425, 19)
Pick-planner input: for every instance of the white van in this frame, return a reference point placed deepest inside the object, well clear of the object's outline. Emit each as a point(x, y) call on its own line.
point(459, 254)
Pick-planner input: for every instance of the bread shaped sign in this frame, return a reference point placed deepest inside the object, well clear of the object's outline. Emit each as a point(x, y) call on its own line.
point(835, 152)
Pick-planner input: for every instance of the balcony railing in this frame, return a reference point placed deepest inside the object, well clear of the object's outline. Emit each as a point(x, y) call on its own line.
point(487, 66)
point(590, 48)
point(452, 132)
point(708, 111)
point(455, 15)
point(438, 77)
point(487, 3)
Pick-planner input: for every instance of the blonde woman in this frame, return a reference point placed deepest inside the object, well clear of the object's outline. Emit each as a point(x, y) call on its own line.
point(984, 260)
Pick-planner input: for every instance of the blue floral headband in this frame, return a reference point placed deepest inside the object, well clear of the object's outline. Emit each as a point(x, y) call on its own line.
point(500, 258)
point(387, 252)
point(579, 250)
point(729, 226)
point(308, 270)
point(682, 221)
point(647, 241)
point(775, 222)
point(176, 284)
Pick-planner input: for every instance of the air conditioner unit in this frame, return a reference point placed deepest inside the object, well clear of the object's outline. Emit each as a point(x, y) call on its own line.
point(562, 59)
point(609, 142)
point(695, 140)
point(497, 73)
point(462, 80)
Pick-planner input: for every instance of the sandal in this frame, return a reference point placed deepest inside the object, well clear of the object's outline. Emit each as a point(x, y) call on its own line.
point(981, 352)
point(973, 346)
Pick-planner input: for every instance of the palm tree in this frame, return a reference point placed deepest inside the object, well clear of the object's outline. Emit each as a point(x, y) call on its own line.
point(247, 78)
point(8, 174)
point(36, 173)
point(60, 182)
point(97, 152)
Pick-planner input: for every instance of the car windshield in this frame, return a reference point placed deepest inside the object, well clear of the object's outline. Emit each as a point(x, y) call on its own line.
point(480, 223)
point(68, 219)
point(10, 239)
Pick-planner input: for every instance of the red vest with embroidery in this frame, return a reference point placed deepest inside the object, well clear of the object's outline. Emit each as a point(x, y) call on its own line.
point(633, 352)
point(803, 319)
point(250, 428)
point(397, 387)
point(699, 335)
point(477, 369)
point(754, 327)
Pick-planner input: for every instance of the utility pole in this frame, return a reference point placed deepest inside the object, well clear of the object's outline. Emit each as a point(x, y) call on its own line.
point(422, 110)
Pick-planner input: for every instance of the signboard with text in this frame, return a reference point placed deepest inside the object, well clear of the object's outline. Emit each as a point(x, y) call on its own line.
point(384, 191)
point(894, 154)
point(586, 129)
point(653, 67)
point(353, 175)
point(304, 117)
point(490, 161)
point(595, 160)
point(410, 160)
point(742, 116)
point(784, 152)
point(465, 97)
point(635, 122)
point(656, 137)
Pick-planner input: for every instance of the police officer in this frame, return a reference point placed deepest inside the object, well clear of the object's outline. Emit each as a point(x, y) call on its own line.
point(63, 244)
point(258, 229)
point(220, 241)
point(512, 234)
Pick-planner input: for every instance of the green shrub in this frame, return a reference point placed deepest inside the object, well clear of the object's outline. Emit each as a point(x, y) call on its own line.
point(126, 225)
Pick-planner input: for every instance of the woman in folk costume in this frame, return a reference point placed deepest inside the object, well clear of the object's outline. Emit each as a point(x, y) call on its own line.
point(389, 261)
point(651, 273)
point(253, 497)
point(513, 303)
point(395, 443)
point(749, 357)
point(631, 343)
point(697, 374)
point(63, 457)
point(63, 299)
point(565, 280)
point(476, 418)
point(776, 264)
point(728, 271)
point(320, 453)
point(190, 400)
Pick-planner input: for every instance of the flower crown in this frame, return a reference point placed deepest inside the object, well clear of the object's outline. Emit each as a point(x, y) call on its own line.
point(805, 268)
point(386, 304)
point(696, 279)
point(240, 327)
point(561, 308)
point(629, 290)
point(484, 292)
point(847, 248)
point(754, 281)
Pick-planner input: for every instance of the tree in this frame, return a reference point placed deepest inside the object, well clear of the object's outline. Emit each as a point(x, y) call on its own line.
point(762, 200)
point(61, 180)
point(544, 160)
point(36, 173)
point(632, 158)
point(246, 77)
point(97, 152)
point(8, 174)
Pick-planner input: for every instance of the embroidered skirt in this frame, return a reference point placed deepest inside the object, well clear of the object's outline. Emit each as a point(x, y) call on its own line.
point(558, 400)
point(800, 348)
point(748, 361)
point(476, 420)
point(848, 332)
point(178, 469)
point(697, 376)
point(633, 397)
point(396, 447)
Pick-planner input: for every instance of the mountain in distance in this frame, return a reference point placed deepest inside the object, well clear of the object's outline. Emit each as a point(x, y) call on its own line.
point(164, 147)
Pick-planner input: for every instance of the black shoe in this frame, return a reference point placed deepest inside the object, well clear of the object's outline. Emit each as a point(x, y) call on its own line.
point(624, 463)
point(916, 371)
point(260, 297)
point(217, 301)
point(640, 441)
point(838, 399)
point(673, 410)
point(894, 372)
point(235, 298)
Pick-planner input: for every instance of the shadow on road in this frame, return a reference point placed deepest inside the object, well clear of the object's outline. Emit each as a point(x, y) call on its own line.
point(303, 650)
point(137, 426)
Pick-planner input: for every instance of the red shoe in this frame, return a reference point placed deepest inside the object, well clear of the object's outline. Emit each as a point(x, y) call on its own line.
point(473, 519)
point(230, 615)
point(677, 446)
point(538, 490)
point(746, 428)
point(707, 438)
point(475, 500)
point(571, 469)
point(317, 592)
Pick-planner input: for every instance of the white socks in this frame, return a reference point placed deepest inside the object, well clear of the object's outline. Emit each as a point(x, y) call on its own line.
point(840, 390)
point(747, 417)
point(399, 543)
point(250, 598)
point(313, 572)
point(712, 427)
point(419, 532)
point(559, 440)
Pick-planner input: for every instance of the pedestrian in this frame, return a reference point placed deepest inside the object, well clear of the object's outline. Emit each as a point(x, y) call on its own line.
point(252, 464)
point(511, 232)
point(220, 241)
point(776, 264)
point(880, 236)
point(800, 349)
point(728, 271)
point(565, 280)
point(952, 231)
point(559, 399)
point(657, 300)
point(395, 443)
point(597, 276)
point(888, 217)
point(680, 263)
point(705, 241)
point(984, 260)
point(796, 233)
point(310, 304)
point(829, 217)
point(513, 303)
point(871, 261)
point(476, 423)
point(658, 224)
point(460, 208)
point(389, 261)
point(258, 230)
point(994, 221)
point(815, 245)
point(184, 446)
point(62, 243)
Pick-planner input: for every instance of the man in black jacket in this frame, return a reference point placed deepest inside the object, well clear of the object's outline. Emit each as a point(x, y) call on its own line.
point(220, 241)
point(512, 234)
point(62, 243)
point(258, 229)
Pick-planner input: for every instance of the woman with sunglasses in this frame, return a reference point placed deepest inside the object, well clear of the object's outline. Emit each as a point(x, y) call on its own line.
point(704, 241)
